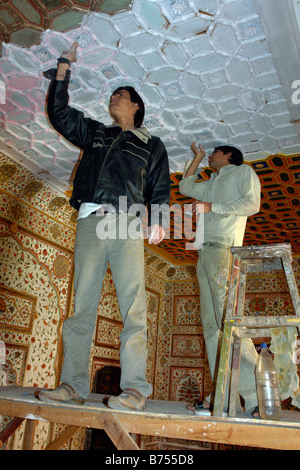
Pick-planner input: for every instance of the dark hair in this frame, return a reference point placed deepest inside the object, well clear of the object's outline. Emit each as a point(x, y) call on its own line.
point(236, 157)
point(135, 98)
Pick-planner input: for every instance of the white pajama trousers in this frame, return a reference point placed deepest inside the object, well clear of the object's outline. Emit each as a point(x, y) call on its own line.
point(213, 272)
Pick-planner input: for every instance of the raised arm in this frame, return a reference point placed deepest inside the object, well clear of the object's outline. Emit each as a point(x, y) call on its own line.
point(199, 154)
point(66, 120)
point(187, 185)
point(66, 59)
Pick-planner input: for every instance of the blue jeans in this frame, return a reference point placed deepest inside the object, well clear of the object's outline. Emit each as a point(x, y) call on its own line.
point(126, 260)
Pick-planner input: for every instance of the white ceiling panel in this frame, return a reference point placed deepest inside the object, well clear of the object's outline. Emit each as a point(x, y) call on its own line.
point(214, 71)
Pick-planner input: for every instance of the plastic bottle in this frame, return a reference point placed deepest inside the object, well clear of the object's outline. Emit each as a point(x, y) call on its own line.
point(267, 384)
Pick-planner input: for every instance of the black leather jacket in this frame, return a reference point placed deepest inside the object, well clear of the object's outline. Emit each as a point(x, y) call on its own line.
point(114, 162)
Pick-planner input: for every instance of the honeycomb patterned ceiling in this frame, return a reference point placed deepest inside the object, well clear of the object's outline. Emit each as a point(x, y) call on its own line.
point(213, 71)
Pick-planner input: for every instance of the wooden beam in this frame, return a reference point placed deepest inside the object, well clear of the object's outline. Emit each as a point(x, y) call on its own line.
point(29, 434)
point(117, 432)
point(63, 438)
point(10, 429)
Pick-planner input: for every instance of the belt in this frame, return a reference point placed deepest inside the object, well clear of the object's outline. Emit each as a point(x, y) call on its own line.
point(106, 210)
point(103, 212)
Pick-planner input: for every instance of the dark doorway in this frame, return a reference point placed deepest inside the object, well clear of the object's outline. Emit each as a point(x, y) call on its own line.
point(106, 382)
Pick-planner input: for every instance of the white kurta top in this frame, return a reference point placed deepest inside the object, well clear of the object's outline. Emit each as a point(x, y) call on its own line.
point(234, 194)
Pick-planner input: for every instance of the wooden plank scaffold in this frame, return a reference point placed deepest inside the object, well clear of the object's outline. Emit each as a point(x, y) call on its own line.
point(161, 418)
point(172, 419)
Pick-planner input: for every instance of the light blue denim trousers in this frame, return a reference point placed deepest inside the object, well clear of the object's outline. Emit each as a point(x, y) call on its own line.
point(126, 260)
point(213, 272)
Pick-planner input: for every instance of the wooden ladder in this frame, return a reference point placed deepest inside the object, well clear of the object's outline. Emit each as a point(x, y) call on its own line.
point(238, 326)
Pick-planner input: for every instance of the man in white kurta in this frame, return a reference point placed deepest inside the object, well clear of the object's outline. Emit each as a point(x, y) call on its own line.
point(230, 195)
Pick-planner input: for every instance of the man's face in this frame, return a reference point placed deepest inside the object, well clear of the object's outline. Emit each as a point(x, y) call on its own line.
point(120, 102)
point(218, 159)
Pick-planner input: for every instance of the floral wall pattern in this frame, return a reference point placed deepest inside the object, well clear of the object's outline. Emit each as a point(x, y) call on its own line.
point(37, 230)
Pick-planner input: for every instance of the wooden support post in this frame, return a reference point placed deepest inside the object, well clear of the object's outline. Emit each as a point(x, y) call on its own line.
point(117, 432)
point(63, 438)
point(9, 430)
point(235, 372)
point(232, 292)
point(29, 434)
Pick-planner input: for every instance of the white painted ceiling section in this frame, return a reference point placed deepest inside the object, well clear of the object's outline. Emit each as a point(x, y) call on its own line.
point(214, 71)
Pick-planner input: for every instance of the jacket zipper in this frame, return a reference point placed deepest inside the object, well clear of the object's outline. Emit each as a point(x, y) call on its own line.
point(110, 148)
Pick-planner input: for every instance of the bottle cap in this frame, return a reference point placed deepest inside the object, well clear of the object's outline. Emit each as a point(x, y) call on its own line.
point(264, 345)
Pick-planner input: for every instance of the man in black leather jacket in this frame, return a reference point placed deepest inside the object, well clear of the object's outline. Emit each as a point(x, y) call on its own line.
point(122, 166)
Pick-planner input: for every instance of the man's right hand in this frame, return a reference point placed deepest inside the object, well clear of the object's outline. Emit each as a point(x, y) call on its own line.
point(198, 152)
point(71, 53)
point(62, 68)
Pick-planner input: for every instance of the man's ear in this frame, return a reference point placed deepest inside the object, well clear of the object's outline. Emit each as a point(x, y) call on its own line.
point(229, 155)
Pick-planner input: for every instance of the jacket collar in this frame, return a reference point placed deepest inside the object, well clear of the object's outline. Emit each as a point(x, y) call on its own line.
point(142, 133)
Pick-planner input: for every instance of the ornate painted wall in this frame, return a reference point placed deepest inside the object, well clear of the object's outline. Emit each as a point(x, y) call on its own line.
point(37, 228)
